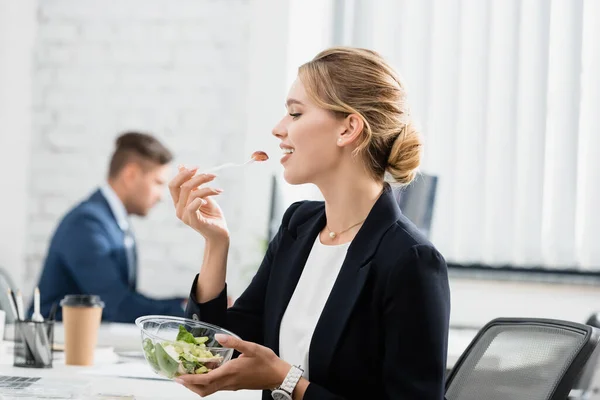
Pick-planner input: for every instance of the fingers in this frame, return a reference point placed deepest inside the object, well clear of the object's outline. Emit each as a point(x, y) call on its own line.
point(247, 348)
point(202, 391)
point(202, 193)
point(180, 179)
point(215, 379)
point(190, 216)
point(197, 199)
point(187, 187)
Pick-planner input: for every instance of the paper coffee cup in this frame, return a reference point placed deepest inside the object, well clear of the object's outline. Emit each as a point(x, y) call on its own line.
point(82, 315)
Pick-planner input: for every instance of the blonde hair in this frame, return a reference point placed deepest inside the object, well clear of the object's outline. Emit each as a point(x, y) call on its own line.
point(348, 80)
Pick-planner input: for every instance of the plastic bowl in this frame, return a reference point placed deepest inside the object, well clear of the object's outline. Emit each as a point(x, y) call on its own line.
point(159, 332)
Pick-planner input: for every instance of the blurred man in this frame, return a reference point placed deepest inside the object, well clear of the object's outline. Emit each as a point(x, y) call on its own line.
point(93, 250)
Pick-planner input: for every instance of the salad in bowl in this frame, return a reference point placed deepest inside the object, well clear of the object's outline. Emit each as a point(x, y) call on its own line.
point(176, 346)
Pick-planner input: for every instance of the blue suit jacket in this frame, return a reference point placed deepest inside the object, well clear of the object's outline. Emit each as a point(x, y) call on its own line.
point(383, 333)
point(87, 256)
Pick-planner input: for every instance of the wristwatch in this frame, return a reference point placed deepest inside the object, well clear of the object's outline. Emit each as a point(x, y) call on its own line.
point(285, 390)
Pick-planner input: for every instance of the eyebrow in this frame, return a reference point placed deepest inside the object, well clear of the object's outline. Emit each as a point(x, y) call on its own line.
point(289, 102)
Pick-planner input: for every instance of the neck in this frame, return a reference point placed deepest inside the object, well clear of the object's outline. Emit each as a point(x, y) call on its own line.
point(119, 190)
point(348, 202)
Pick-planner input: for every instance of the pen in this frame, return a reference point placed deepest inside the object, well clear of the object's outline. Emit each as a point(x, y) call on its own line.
point(44, 350)
point(36, 317)
point(52, 314)
point(51, 317)
point(20, 306)
point(11, 302)
point(16, 305)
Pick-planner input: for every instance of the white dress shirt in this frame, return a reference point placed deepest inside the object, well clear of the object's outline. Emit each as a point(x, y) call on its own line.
point(116, 206)
point(120, 213)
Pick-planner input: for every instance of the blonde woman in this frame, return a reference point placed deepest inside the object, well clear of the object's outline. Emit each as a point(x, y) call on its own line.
point(350, 301)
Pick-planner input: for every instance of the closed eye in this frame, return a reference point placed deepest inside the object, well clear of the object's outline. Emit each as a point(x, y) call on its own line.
point(295, 115)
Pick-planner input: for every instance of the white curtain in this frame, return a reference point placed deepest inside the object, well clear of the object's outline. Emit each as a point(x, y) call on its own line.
point(508, 96)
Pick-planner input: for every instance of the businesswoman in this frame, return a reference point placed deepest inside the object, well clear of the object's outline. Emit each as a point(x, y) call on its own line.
point(350, 301)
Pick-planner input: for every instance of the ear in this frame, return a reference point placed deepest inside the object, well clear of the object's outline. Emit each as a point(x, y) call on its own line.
point(353, 126)
point(130, 172)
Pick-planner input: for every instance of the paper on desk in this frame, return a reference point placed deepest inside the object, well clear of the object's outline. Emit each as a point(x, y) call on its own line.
point(125, 370)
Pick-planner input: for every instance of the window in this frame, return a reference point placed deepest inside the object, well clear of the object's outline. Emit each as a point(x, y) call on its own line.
point(508, 96)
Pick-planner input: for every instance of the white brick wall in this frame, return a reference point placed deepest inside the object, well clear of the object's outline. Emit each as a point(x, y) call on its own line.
point(17, 31)
point(176, 68)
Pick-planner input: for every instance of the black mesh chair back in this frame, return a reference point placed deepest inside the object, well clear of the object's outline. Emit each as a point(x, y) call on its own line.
point(585, 385)
point(417, 201)
point(522, 359)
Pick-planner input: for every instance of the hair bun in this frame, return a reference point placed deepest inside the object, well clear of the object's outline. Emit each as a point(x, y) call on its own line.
point(405, 157)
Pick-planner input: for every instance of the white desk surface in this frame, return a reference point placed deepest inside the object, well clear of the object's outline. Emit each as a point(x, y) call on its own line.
point(126, 337)
point(141, 389)
point(121, 338)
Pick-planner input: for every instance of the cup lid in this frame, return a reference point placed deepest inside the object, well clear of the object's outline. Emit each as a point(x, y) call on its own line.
point(81, 300)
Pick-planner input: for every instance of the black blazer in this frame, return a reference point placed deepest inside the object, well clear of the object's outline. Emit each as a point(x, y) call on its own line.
point(384, 330)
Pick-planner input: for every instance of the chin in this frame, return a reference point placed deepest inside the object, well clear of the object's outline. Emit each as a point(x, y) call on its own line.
point(140, 213)
point(294, 179)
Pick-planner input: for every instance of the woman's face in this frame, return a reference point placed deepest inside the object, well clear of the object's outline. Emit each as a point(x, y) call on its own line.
point(308, 137)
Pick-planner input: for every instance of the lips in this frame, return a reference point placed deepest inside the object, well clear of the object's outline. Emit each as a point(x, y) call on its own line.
point(287, 152)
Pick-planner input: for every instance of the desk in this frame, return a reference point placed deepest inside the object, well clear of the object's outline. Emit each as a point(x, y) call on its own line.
point(122, 338)
point(142, 389)
point(126, 338)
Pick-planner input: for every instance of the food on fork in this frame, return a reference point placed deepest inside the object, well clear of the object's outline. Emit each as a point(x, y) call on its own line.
point(260, 156)
point(257, 156)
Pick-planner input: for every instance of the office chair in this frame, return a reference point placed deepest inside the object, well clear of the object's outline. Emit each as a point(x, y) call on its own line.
point(584, 388)
point(417, 199)
point(522, 359)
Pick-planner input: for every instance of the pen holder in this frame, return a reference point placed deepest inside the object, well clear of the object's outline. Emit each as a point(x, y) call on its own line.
point(33, 344)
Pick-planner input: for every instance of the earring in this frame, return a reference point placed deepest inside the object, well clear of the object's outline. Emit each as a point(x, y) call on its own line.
point(340, 140)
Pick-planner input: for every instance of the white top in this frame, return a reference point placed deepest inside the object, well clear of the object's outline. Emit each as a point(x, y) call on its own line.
point(302, 314)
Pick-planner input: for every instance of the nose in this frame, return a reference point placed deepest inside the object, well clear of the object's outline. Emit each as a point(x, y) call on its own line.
point(280, 130)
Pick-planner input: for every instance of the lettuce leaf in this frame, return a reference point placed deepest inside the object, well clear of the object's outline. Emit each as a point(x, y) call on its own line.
point(167, 364)
point(151, 354)
point(185, 336)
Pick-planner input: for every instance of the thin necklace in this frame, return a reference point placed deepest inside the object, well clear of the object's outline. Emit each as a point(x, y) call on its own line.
point(333, 234)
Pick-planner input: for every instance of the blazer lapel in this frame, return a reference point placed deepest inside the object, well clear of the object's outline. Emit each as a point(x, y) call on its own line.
point(349, 284)
point(303, 240)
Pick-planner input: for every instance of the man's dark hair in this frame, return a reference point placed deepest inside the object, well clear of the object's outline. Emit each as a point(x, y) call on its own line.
point(137, 147)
